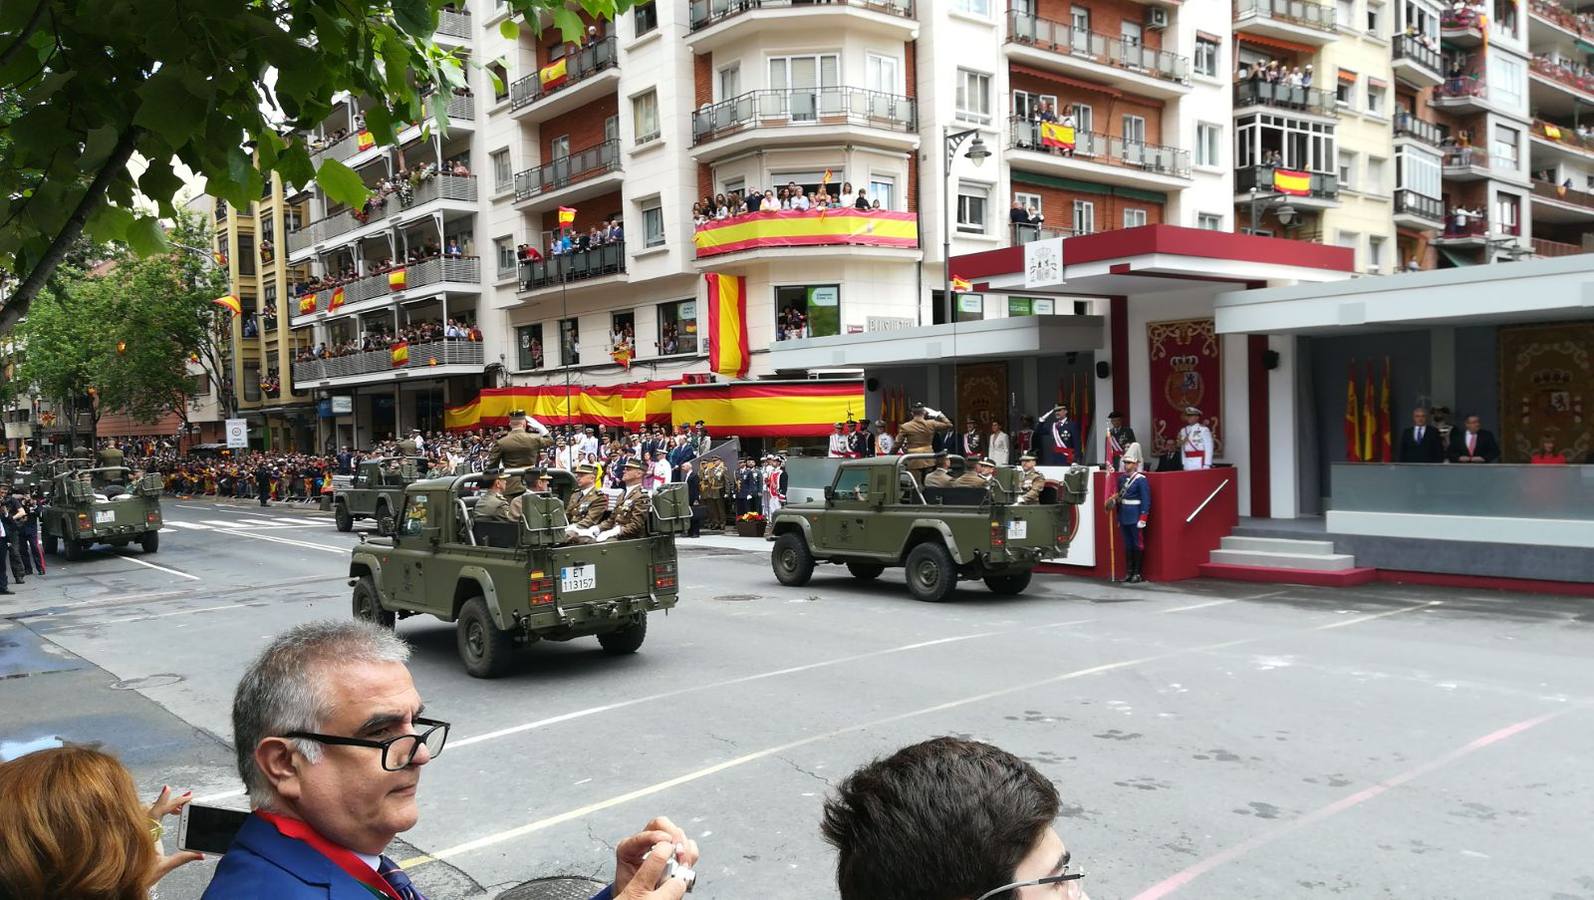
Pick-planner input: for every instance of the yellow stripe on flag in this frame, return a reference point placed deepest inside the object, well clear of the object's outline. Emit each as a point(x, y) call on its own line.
point(229, 303)
point(567, 215)
point(397, 280)
point(881, 227)
point(961, 284)
point(727, 338)
point(552, 73)
point(1288, 181)
point(1054, 134)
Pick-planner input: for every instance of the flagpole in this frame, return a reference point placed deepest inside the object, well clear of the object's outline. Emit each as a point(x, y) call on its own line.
point(564, 313)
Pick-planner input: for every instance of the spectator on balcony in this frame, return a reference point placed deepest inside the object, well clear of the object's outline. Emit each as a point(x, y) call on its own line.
point(616, 233)
point(453, 251)
point(1018, 215)
point(459, 170)
point(849, 197)
point(698, 217)
point(799, 202)
point(754, 202)
point(770, 203)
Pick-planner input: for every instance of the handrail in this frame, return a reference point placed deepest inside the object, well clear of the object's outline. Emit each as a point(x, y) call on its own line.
point(588, 162)
point(705, 13)
point(805, 106)
point(1197, 511)
point(1064, 38)
point(579, 66)
point(1025, 134)
point(1320, 16)
point(1286, 96)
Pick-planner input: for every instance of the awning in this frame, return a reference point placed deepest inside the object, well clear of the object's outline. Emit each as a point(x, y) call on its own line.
point(1071, 82)
point(1276, 44)
point(1347, 75)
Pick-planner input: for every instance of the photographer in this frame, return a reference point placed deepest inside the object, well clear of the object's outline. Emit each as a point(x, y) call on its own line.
point(25, 536)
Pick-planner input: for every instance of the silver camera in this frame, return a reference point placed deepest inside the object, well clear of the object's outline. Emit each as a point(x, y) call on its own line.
point(674, 868)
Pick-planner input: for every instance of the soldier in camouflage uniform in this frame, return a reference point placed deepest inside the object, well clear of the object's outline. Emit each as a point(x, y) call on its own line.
point(519, 448)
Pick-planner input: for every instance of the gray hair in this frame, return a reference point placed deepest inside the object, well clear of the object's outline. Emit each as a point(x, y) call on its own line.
point(286, 689)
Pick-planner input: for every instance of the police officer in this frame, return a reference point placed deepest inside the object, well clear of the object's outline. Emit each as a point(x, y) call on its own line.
point(520, 448)
point(1133, 503)
point(917, 435)
point(1119, 437)
point(1031, 481)
point(493, 505)
point(1195, 442)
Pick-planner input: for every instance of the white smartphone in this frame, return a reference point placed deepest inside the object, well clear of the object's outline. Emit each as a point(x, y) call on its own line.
point(209, 829)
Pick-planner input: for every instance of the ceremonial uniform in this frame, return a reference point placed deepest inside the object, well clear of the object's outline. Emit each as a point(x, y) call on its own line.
point(407, 447)
point(1195, 445)
point(748, 488)
point(517, 450)
point(861, 443)
point(970, 479)
point(1056, 441)
point(1032, 482)
point(712, 483)
point(587, 508)
point(1117, 440)
point(917, 435)
point(840, 444)
point(1134, 506)
point(630, 515)
point(110, 456)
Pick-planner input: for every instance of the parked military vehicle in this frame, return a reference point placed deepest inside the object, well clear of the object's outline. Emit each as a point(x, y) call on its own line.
point(375, 491)
point(876, 515)
point(512, 583)
point(100, 505)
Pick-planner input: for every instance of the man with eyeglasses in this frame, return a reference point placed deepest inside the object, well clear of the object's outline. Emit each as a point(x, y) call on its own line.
point(331, 739)
point(949, 819)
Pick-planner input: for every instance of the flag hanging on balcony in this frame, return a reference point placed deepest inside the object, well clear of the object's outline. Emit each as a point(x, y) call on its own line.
point(1369, 420)
point(364, 140)
point(336, 302)
point(727, 324)
point(1353, 419)
point(1291, 182)
point(397, 280)
point(825, 181)
point(1057, 135)
point(804, 228)
point(401, 354)
point(307, 304)
point(231, 304)
point(1383, 418)
point(961, 284)
point(621, 353)
point(567, 216)
point(553, 74)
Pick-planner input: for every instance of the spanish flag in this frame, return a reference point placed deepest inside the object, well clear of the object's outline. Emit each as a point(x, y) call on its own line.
point(1291, 182)
point(307, 304)
point(1353, 419)
point(1551, 132)
point(231, 304)
point(364, 140)
point(336, 302)
point(728, 353)
point(553, 74)
point(401, 354)
point(397, 280)
point(567, 216)
point(1383, 417)
point(961, 284)
point(621, 353)
point(1055, 135)
point(1370, 452)
point(797, 228)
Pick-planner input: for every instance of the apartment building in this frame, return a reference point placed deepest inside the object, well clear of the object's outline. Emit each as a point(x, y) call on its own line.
point(1560, 148)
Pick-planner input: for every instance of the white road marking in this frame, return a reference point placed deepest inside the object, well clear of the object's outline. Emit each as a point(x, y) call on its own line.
point(225, 523)
point(289, 541)
point(177, 612)
point(1196, 606)
point(1368, 618)
point(180, 525)
point(150, 565)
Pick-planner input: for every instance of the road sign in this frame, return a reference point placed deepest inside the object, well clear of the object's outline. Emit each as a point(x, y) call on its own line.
point(238, 434)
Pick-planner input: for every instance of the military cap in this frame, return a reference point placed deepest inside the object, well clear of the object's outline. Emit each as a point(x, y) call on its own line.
point(633, 464)
point(1115, 414)
point(1192, 411)
point(493, 474)
point(838, 424)
point(517, 414)
point(985, 461)
point(1028, 456)
point(941, 454)
point(586, 469)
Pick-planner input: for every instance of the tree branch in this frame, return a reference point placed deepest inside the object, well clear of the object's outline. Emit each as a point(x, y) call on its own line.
point(26, 32)
point(18, 305)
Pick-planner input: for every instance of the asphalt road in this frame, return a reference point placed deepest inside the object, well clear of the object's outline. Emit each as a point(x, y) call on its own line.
point(1209, 739)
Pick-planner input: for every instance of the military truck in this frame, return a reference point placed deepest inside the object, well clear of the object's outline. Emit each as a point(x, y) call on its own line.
point(875, 515)
point(376, 491)
point(100, 505)
point(508, 584)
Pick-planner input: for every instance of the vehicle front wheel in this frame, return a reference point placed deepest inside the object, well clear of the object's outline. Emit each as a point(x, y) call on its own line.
point(341, 515)
point(150, 542)
point(865, 571)
point(931, 576)
point(485, 650)
point(368, 604)
point(626, 640)
point(73, 549)
point(792, 562)
point(1008, 585)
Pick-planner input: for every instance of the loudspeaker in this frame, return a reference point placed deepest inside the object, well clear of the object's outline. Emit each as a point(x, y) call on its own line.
point(1103, 369)
point(1270, 359)
point(872, 385)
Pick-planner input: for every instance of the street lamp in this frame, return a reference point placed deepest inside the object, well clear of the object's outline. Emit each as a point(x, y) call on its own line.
point(977, 154)
point(1285, 212)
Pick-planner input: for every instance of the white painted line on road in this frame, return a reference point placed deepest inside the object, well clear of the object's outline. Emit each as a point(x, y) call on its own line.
point(225, 523)
point(1195, 606)
point(289, 541)
point(193, 525)
point(177, 612)
point(1368, 618)
point(150, 565)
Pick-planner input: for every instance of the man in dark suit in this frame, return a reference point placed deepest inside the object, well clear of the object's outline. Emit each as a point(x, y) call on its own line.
point(1420, 443)
point(694, 497)
point(1056, 439)
point(1472, 444)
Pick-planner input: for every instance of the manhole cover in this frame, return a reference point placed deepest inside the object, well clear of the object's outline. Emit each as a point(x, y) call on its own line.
point(160, 679)
point(554, 889)
point(737, 598)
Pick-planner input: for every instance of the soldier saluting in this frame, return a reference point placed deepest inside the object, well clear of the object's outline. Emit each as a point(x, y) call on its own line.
point(520, 448)
point(1057, 437)
point(917, 434)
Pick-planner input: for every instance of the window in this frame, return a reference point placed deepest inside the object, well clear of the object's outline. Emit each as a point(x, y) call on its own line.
point(1208, 138)
point(1347, 170)
point(1134, 129)
point(972, 201)
point(1131, 32)
point(1266, 139)
point(677, 327)
point(1375, 19)
point(1349, 239)
point(1375, 99)
point(883, 190)
point(1084, 217)
point(645, 116)
point(1079, 19)
point(504, 249)
point(973, 96)
point(500, 80)
point(730, 81)
point(570, 342)
point(1423, 16)
point(1347, 13)
point(880, 74)
point(528, 340)
point(1345, 91)
point(559, 148)
point(1084, 118)
point(981, 8)
point(652, 223)
point(1506, 80)
point(1134, 218)
point(1209, 221)
point(503, 170)
point(1375, 176)
point(1206, 57)
point(1028, 106)
point(1506, 209)
point(646, 17)
point(1375, 253)
point(622, 331)
point(804, 311)
point(417, 516)
point(1029, 200)
point(1419, 170)
point(803, 80)
point(1505, 145)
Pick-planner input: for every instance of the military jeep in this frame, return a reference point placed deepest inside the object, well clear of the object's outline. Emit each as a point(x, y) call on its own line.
point(103, 505)
point(875, 514)
point(508, 584)
point(376, 491)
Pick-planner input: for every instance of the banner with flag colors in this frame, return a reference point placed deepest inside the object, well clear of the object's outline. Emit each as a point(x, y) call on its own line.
point(728, 352)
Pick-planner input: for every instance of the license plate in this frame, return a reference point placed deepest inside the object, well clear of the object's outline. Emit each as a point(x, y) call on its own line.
point(105, 516)
point(578, 578)
point(1017, 530)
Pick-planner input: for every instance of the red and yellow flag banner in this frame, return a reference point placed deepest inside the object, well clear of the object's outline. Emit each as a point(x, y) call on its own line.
point(809, 228)
point(307, 304)
point(621, 353)
point(401, 354)
point(960, 283)
point(1353, 419)
point(1370, 452)
point(639, 403)
point(397, 280)
point(364, 140)
point(231, 304)
point(567, 216)
point(728, 351)
point(1289, 181)
point(1057, 135)
point(1383, 418)
point(553, 74)
point(336, 302)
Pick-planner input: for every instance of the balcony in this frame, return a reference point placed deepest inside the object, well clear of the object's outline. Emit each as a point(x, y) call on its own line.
point(1464, 229)
point(1467, 163)
point(436, 359)
point(1407, 125)
point(436, 275)
point(1560, 16)
point(1058, 45)
point(1417, 60)
point(340, 150)
point(1461, 27)
point(1564, 138)
point(809, 234)
point(1559, 87)
point(1323, 190)
point(1282, 96)
point(589, 72)
point(1469, 93)
point(1019, 235)
point(454, 188)
point(582, 265)
point(1101, 158)
point(548, 184)
point(1287, 20)
point(1544, 247)
point(1414, 210)
point(719, 23)
point(1559, 204)
point(820, 115)
point(454, 24)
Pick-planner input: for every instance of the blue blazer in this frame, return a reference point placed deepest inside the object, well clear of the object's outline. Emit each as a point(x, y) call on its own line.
point(1136, 501)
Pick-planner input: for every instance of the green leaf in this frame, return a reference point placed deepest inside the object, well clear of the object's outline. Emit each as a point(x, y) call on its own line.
point(413, 16)
point(168, 108)
point(108, 223)
point(380, 123)
point(341, 183)
point(159, 180)
point(101, 141)
point(146, 237)
point(569, 24)
point(510, 29)
point(295, 167)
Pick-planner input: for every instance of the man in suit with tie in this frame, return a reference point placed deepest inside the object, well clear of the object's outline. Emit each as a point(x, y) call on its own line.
point(331, 742)
point(1420, 443)
point(1473, 444)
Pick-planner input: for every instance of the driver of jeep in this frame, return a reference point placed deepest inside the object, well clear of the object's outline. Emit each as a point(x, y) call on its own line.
point(542, 485)
point(628, 518)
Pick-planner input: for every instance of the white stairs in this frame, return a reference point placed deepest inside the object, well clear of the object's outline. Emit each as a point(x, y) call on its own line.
point(1282, 553)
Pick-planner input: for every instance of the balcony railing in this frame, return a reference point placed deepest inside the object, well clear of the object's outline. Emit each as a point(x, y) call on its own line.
point(1284, 96)
point(1458, 88)
point(1296, 12)
point(1018, 233)
point(1561, 74)
point(1465, 226)
point(436, 270)
point(421, 356)
point(797, 107)
point(1464, 157)
point(1551, 191)
point(1409, 202)
point(1545, 247)
point(1463, 19)
point(1562, 16)
point(579, 66)
point(460, 188)
point(1408, 125)
point(578, 266)
point(1416, 48)
point(1025, 134)
point(705, 13)
point(454, 24)
point(1564, 135)
point(1063, 38)
point(461, 106)
point(341, 149)
point(1323, 186)
point(579, 166)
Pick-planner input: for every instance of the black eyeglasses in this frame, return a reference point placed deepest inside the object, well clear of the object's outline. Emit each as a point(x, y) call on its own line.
point(1066, 877)
point(398, 753)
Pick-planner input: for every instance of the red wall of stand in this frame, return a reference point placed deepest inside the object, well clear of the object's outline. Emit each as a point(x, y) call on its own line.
point(1175, 549)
